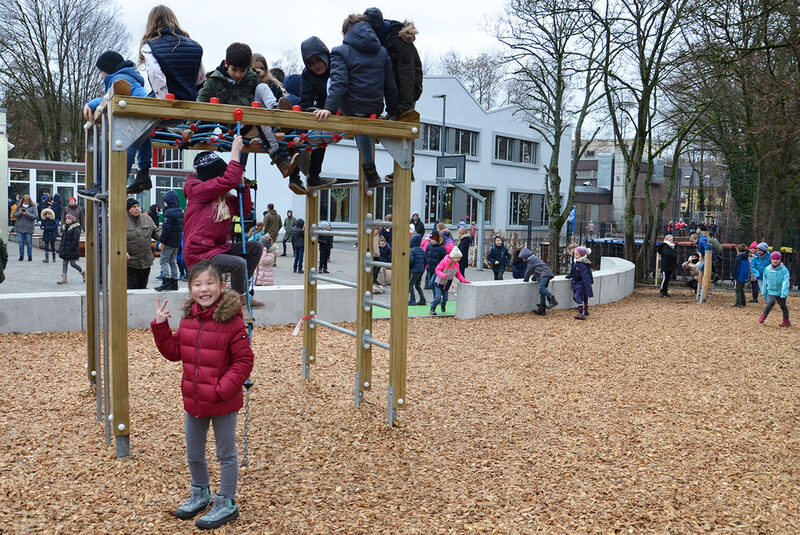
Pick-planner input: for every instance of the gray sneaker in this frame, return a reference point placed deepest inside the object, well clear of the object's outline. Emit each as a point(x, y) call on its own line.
point(198, 501)
point(223, 511)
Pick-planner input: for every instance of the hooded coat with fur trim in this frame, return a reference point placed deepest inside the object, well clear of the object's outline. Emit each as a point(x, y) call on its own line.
point(406, 63)
point(70, 247)
point(215, 351)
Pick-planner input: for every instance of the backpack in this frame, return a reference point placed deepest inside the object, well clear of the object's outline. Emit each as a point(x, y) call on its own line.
point(716, 246)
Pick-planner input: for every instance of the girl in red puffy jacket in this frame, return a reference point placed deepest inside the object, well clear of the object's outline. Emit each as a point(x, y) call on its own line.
point(213, 345)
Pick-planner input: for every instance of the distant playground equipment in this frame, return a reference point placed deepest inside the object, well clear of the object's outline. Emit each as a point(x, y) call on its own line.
point(121, 121)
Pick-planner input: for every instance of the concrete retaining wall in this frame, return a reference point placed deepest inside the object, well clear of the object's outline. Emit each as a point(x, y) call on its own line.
point(58, 312)
point(613, 282)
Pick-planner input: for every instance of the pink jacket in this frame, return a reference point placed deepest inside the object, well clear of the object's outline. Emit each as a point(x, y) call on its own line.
point(447, 269)
point(263, 274)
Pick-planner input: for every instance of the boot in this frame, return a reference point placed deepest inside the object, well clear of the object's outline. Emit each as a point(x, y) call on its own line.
point(541, 310)
point(54, 257)
point(173, 284)
point(223, 511)
point(296, 185)
point(422, 302)
point(46, 261)
point(371, 175)
point(762, 318)
point(390, 176)
point(433, 310)
point(64, 280)
point(315, 168)
point(786, 323)
point(551, 302)
point(586, 309)
point(246, 316)
point(198, 501)
point(166, 284)
point(285, 161)
point(141, 182)
point(580, 315)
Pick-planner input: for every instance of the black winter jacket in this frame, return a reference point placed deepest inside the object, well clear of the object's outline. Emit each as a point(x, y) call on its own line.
point(407, 66)
point(499, 254)
point(434, 255)
point(299, 234)
point(70, 248)
point(172, 227)
point(361, 75)
point(313, 89)
point(669, 257)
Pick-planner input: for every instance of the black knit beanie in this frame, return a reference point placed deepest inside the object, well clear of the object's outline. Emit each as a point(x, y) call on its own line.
point(131, 202)
point(374, 18)
point(209, 165)
point(109, 61)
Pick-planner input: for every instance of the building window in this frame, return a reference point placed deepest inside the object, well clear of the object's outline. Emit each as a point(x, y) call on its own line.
point(472, 206)
point(503, 148)
point(170, 159)
point(432, 214)
point(462, 142)
point(515, 150)
point(429, 138)
point(165, 183)
point(334, 205)
point(526, 206)
point(383, 202)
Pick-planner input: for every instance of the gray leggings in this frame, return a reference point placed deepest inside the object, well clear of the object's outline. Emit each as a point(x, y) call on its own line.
point(770, 302)
point(66, 263)
point(227, 455)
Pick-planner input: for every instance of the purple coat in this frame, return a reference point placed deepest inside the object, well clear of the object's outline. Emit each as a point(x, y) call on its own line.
point(582, 279)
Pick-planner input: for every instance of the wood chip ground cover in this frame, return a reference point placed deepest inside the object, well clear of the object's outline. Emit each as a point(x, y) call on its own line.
point(654, 416)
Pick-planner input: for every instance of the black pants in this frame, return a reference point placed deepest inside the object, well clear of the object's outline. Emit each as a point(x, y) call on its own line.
point(414, 282)
point(740, 298)
point(324, 255)
point(755, 289)
point(770, 301)
point(498, 274)
point(235, 261)
point(665, 282)
point(137, 278)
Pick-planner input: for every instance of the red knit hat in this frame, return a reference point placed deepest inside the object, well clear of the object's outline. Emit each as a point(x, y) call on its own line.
point(754, 245)
point(775, 255)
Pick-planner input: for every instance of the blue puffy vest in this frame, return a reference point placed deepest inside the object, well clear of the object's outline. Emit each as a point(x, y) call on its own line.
point(179, 59)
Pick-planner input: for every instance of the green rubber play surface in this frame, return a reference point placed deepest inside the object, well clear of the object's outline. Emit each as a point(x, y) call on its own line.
point(417, 311)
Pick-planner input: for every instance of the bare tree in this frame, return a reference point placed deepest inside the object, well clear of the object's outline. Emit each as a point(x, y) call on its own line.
point(558, 71)
point(47, 54)
point(289, 61)
point(641, 39)
point(482, 75)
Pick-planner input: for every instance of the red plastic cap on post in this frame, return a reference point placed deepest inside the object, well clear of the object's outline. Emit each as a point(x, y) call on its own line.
point(169, 96)
point(238, 113)
point(373, 116)
point(255, 104)
point(214, 100)
point(296, 108)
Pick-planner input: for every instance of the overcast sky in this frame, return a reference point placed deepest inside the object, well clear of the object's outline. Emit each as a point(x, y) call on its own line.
point(270, 28)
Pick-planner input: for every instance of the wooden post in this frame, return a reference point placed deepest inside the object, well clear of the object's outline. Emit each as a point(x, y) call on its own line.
point(366, 205)
point(311, 254)
point(117, 291)
point(92, 308)
point(706, 293)
point(398, 341)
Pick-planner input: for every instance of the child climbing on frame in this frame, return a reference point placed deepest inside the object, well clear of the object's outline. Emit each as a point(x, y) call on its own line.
point(214, 348)
point(209, 211)
point(113, 67)
point(173, 64)
point(775, 288)
point(582, 281)
point(360, 92)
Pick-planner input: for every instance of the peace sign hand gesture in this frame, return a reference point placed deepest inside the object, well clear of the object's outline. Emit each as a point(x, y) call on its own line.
point(162, 314)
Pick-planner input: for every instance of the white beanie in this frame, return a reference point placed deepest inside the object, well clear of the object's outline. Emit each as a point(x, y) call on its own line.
point(455, 253)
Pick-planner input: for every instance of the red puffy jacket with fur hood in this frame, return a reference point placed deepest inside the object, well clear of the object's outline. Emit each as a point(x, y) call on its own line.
point(215, 350)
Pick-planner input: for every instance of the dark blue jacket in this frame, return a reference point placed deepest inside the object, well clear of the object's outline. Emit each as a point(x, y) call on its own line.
point(500, 254)
point(179, 58)
point(386, 233)
point(741, 268)
point(361, 75)
point(518, 269)
point(50, 229)
point(57, 207)
point(314, 88)
point(293, 84)
point(172, 228)
point(127, 72)
point(433, 255)
point(582, 279)
point(416, 255)
point(299, 234)
point(385, 252)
